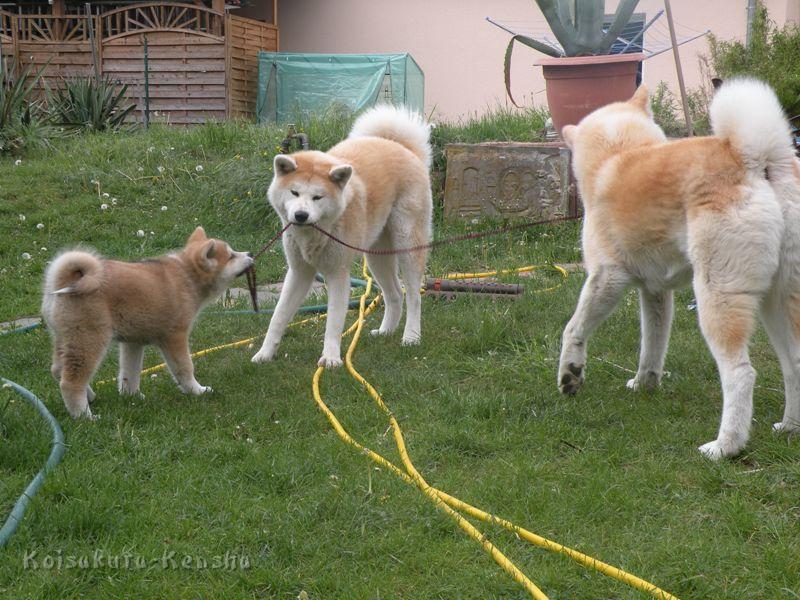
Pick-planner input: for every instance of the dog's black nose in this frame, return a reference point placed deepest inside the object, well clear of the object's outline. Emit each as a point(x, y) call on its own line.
point(301, 216)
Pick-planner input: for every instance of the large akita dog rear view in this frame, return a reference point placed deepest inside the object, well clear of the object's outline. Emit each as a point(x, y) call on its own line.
point(373, 191)
point(721, 211)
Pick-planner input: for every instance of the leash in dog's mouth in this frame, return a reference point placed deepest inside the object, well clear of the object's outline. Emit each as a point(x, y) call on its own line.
point(250, 275)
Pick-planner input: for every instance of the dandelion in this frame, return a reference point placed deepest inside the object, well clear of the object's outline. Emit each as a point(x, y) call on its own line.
point(18, 162)
point(22, 217)
point(26, 256)
point(140, 233)
point(104, 206)
point(40, 226)
point(163, 208)
point(199, 168)
point(160, 169)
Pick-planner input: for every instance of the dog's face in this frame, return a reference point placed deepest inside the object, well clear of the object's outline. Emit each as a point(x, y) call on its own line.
point(214, 262)
point(308, 188)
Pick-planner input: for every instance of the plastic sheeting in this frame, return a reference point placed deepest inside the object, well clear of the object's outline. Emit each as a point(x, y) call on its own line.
point(293, 86)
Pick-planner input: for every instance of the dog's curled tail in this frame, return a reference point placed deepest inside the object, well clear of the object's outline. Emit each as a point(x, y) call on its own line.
point(747, 112)
point(402, 125)
point(73, 272)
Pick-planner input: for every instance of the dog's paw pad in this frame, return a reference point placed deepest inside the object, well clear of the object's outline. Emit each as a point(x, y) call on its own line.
point(570, 382)
point(330, 362)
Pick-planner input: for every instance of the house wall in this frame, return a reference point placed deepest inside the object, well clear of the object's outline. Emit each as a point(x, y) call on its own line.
point(462, 54)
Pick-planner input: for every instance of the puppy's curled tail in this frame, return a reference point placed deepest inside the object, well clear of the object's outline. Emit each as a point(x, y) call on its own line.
point(747, 112)
point(74, 272)
point(399, 124)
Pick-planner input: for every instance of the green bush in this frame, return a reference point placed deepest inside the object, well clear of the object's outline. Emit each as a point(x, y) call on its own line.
point(669, 116)
point(90, 104)
point(22, 124)
point(772, 57)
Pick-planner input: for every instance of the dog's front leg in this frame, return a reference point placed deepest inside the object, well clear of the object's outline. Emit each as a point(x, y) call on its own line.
point(656, 313)
point(338, 296)
point(295, 289)
point(175, 350)
point(600, 294)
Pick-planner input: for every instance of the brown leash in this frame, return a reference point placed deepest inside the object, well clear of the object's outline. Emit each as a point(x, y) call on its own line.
point(251, 272)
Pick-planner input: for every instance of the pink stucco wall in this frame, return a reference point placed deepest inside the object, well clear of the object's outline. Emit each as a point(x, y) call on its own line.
point(462, 54)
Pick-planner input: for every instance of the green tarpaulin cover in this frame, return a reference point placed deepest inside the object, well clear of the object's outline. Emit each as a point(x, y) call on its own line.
point(292, 85)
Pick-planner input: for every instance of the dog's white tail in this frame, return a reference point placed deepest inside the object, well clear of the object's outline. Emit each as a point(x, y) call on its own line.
point(73, 272)
point(747, 112)
point(399, 124)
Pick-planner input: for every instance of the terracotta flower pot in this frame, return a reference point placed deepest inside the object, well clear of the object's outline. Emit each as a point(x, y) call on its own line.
point(578, 85)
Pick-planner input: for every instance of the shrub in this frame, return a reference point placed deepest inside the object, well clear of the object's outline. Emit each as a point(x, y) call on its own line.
point(669, 117)
point(22, 123)
point(90, 104)
point(772, 57)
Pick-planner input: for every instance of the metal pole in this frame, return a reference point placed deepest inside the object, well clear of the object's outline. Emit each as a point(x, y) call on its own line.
point(90, 21)
point(641, 33)
point(751, 15)
point(146, 84)
point(676, 54)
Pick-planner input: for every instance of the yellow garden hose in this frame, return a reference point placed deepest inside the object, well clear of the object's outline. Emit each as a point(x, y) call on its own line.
point(446, 502)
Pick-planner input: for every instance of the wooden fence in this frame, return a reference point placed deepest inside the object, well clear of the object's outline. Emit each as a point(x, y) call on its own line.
point(202, 64)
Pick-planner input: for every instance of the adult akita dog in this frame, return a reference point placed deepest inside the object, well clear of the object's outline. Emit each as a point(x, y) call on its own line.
point(372, 191)
point(722, 212)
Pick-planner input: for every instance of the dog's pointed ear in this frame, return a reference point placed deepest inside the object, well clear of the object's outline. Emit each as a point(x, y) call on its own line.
point(199, 234)
point(568, 133)
point(642, 97)
point(207, 255)
point(284, 164)
point(341, 175)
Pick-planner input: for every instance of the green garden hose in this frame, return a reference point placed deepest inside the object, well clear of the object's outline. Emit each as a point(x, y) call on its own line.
point(56, 454)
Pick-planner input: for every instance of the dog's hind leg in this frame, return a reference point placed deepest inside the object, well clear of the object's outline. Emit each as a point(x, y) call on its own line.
point(295, 288)
point(600, 294)
point(413, 268)
point(131, 357)
point(384, 269)
point(727, 320)
point(656, 312)
point(80, 360)
point(782, 333)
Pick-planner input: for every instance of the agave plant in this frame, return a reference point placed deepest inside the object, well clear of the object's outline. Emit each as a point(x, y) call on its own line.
point(21, 112)
point(578, 27)
point(91, 104)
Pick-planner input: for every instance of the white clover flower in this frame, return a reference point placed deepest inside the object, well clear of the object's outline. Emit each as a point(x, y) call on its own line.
point(140, 233)
point(153, 375)
point(106, 195)
point(40, 226)
point(151, 149)
point(22, 217)
point(114, 201)
point(43, 249)
point(18, 162)
point(199, 168)
point(94, 182)
point(104, 206)
point(160, 169)
point(26, 256)
point(152, 233)
point(163, 208)
point(140, 169)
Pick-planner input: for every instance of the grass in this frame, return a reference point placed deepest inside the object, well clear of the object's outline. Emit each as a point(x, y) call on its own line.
point(255, 471)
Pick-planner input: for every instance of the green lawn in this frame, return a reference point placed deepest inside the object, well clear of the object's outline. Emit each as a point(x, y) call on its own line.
point(255, 472)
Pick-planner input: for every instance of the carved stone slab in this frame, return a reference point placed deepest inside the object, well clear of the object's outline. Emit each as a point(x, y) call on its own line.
point(509, 179)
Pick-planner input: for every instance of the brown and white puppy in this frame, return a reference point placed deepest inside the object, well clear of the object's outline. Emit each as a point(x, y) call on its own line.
point(373, 191)
point(90, 301)
point(721, 212)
